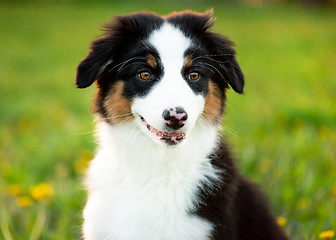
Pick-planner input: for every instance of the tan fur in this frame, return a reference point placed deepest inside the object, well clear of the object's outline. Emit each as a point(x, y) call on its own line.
point(213, 106)
point(151, 61)
point(188, 61)
point(117, 106)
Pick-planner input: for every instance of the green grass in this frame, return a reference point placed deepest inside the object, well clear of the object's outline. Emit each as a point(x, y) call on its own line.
point(284, 125)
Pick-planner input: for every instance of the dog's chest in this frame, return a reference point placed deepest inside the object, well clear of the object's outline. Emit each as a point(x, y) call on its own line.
point(135, 206)
point(146, 194)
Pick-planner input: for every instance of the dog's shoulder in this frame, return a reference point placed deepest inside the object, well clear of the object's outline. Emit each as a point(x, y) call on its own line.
point(237, 206)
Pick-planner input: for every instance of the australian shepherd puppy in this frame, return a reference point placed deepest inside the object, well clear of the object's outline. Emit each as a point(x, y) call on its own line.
point(162, 170)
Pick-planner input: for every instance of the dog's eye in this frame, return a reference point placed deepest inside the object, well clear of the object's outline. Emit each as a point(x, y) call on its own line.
point(194, 76)
point(144, 75)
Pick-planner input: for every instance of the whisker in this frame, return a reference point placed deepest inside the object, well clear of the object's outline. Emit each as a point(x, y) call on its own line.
point(130, 116)
point(225, 127)
point(132, 59)
point(125, 120)
point(209, 58)
point(83, 133)
point(128, 138)
point(198, 47)
point(207, 64)
point(214, 55)
point(118, 116)
point(210, 69)
point(201, 123)
point(125, 62)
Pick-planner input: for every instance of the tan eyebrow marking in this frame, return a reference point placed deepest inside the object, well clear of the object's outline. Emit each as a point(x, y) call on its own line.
point(188, 61)
point(151, 61)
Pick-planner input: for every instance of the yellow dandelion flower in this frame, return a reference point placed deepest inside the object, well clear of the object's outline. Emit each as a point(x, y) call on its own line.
point(15, 189)
point(327, 234)
point(303, 203)
point(23, 201)
point(282, 221)
point(41, 191)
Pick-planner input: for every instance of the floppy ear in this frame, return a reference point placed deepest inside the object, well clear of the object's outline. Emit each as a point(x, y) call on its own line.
point(118, 35)
point(94, 64)
point(228, 64)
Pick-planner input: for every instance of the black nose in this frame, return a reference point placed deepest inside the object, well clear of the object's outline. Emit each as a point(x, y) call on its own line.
point(175, 118)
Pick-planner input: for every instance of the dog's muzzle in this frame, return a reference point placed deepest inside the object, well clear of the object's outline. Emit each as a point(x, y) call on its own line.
point(174, 119)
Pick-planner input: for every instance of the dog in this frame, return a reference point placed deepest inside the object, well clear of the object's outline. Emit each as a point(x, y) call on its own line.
point(162, 170)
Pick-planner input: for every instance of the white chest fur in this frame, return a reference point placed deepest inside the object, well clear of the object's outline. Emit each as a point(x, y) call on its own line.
point(141, 190)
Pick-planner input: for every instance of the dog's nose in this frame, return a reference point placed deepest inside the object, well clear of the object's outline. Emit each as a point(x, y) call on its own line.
point(175, 118)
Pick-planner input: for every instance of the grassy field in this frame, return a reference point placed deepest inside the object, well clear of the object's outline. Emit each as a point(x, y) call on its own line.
point(283, 127)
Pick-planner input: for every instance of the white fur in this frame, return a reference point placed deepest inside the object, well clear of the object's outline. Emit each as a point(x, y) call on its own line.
point(142, 189)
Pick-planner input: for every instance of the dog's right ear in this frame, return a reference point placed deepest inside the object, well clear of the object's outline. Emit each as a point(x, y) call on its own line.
point(95, 63)
point(117, 36)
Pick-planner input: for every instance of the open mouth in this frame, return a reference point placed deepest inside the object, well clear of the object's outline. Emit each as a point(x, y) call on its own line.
point(170, 138)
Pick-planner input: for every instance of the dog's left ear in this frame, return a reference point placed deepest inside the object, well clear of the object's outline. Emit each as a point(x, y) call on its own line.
point(222, 52)
point(229, 68)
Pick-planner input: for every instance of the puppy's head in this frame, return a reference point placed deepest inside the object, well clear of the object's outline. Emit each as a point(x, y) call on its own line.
point(164, 73)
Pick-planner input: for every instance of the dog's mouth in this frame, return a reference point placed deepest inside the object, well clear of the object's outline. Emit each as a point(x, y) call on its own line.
point(170, 138)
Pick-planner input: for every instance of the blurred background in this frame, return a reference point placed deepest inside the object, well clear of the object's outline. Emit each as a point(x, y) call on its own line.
point(282, 129)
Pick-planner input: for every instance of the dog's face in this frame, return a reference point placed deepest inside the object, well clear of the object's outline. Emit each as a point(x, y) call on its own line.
point(164, 73)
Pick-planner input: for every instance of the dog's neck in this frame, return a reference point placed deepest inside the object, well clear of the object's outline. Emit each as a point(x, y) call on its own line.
point(126, 147)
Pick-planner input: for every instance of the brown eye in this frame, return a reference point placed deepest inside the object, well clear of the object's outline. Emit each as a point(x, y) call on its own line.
point(194, 76)
point(144, 75)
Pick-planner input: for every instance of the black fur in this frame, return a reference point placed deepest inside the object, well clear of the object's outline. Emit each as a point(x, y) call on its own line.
point(236, 206)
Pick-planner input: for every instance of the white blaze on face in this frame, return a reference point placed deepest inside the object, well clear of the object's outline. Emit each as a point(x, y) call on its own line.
point(172, 90)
